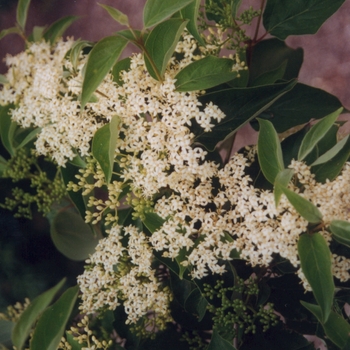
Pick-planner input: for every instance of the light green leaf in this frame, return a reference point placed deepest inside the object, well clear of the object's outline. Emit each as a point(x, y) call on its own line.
point(315, 134)
point(190, 12)
point(51, 325)
point(117, 15)
point(316, 264)
point(38, 33)
point(76, 49)
point(269, 151)
point(341, 231)
point(217, 342)
point(122, 65)
point(101, 59)
point(30, 314)
point(3, 79)
point(304, 207)
point(57, 28)
point(205, 73)
point(103, 146)
point(282, 180)
point(22, 12)
point(160, 45)
point(336, 327)
point(156, 11)
point(331, 153)
point(284, 18)
point(72, 236)
point(12, 30)
point(7, 128)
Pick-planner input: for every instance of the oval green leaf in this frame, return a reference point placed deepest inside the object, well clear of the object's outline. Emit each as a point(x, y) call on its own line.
point(57, 28)
point(304, 207)
point(75, 51)
point(72, 236)
point(282, 180)
point(22, 12)
point(341, 231)
point(284, 18)
point(156, 11)
point(12, 30)
point(51, 325)
point(103, 146)
point(316, 264)
point(101, 59)
point(122, 65)
point(7, 128)
point(269, 151)
point(160, 45)
point(117, 15)
point(217, 342)
point(205, 73)
point(316, 133)
point(26, 321)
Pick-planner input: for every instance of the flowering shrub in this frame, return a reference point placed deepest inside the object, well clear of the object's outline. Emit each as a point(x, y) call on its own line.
point(184, 242)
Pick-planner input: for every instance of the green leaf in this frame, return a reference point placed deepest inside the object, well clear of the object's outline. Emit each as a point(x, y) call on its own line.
point(316, 264)
point(29, 137)
point(270, 54)
point(196, 304)
point(240, 106)
point(271, 76)
point(155, 11)
point(57, 28)
point(316, 133)
point(217, 342)
point(235, 4)
point(38, 33)
point(12, 30)
point(7, 128)
point(205, 73)
point(341, 231)
point(269, 151)
point(101, 59)
point(304, 207)
point(336, 327)
point(153, 222)
point(103, 146)
point(30, 314)
point(284, 18)
point(75, 51)
point(282, 180)
point(22, 12)
point(299, 106)
point(72, 236)
point(190, 12)
point(3, 79)
point(160, 45)
point(122, 65)
point(117, 15)
point(6, 328)
point(51, 325)
point(331, 152)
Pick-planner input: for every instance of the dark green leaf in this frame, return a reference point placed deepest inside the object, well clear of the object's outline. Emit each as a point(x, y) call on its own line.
point(29, 137)
point(336, 327)
point(75, 51)
point(51, 325)
point(155, 11)
point(30, 314)
point(316, 264)
point(271, 76)
point(160, 45)
point(196, 304)
point(117, 15)
point(118, 68)
point(217, 342)
point(316, 133)
point(240, 106)
point(331, 153)
point(299, 106)
point(341, 231)
point(22, 12)
point(243, 75)
point(304, 207)
point(72, 236)
point(6, 328)
point(190, 12)
point(205, 73)
point(270, 54)
point(153, 222)
point(12, 30)
point(103, 146)
point(102, 58)
point(7, 128)
point(269, 151)
point(284, 18)
point(282, 180)
point(57, 28)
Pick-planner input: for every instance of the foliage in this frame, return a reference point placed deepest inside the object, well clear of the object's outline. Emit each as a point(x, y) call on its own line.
point(186, 245)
